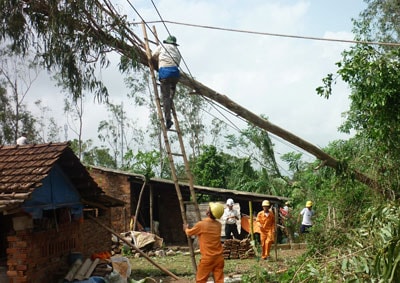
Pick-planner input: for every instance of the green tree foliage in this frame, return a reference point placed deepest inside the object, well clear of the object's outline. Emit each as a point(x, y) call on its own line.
point(191, 110)
point(71, 38)
point(48, 129)
point(143, 163)
point(257, 171)
point(93, 155)
point(8, 120)
point(17, 75)
point(368, 253)
point(73, 111)
point(380, 21)
point(373, 74)
point(362, 244)
point(210, 169)
point(118, 132)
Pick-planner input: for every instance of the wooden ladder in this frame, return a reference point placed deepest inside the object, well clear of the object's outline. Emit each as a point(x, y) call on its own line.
point(171, 155)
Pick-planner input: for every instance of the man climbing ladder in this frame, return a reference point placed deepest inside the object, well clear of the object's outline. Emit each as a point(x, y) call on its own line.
point(169, 58)
point(171, 84)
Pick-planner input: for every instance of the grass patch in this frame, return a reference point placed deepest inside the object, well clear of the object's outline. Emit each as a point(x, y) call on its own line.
point(181, 265)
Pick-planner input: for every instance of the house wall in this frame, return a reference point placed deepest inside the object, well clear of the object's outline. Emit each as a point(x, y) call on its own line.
point(166, 208)
point(38, 257)
point(95, 238)
point(117, 186)
point(170, 218)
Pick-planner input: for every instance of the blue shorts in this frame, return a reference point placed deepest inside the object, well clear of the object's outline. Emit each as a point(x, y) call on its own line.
point(168, 72)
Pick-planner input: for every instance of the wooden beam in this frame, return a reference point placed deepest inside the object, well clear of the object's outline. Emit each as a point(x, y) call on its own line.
point(166, 271)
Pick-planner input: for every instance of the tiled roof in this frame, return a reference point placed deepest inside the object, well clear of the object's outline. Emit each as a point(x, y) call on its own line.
point(23, 168)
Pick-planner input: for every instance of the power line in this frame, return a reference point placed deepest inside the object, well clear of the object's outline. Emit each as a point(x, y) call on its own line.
point(281, 35)
point(213, 104)
point(189, 72)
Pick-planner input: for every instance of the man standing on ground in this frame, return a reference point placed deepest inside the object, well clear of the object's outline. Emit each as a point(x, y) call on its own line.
point(209, 232)
point(266, 222)
point(230, 217)
point(307, 213)
point(169, 59)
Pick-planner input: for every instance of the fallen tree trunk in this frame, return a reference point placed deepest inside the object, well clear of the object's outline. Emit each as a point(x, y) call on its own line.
point(269, 127)
point(124, 41)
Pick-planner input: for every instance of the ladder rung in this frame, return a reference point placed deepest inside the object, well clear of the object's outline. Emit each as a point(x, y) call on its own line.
point(177, 154)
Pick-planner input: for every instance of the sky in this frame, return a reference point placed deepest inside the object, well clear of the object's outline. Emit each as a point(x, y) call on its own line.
point(273, 76)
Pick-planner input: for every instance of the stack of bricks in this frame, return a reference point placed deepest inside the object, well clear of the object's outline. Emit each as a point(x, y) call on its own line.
point(246, 250)
point(238, 249)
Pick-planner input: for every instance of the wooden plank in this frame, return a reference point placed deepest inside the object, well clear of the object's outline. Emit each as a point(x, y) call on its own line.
point(71, 273)
point(134, 247)
point(81, 273)
point(92, 268)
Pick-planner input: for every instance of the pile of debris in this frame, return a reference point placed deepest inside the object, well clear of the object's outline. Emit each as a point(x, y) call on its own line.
point(98, 268)
point(145, 241)
point(238, 249)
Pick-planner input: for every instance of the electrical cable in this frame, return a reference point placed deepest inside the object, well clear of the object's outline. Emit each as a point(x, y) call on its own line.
point(213, 104)
point(282, 35)
point(187, 68)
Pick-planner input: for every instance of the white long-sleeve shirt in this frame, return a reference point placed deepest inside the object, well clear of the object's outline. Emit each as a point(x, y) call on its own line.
point(168, 55)
point(228, 213)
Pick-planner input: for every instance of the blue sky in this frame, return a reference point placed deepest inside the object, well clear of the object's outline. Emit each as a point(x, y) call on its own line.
point(274, 76)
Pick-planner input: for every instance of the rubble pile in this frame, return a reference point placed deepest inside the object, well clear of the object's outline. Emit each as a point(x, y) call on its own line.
point(142, 240)
point(238, 249)
point(148, 243)
point(95, 268)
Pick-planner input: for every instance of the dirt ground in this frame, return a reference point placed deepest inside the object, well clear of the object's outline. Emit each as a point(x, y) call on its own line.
point(280, 265)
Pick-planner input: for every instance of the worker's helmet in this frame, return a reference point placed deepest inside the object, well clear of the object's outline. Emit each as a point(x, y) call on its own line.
point(266, 203)
point(229, 202)
point(217, 209)
point(309, 203)
point(171, 40)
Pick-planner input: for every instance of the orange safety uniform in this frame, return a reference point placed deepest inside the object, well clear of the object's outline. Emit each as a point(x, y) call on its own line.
point(267, 231)
point(209, 232)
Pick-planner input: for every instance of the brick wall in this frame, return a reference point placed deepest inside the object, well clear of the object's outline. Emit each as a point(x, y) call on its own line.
point(36, 257)
point(166, 203)
point(94, 237)
point(42, 257)
point(117, 186)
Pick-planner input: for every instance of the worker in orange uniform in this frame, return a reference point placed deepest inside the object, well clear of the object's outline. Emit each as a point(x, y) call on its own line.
point(266, 222)
point(209, 232)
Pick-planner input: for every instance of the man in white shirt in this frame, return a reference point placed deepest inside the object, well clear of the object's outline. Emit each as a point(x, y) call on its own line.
point(169, 58)
point(230, 217)
point(307, 213)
